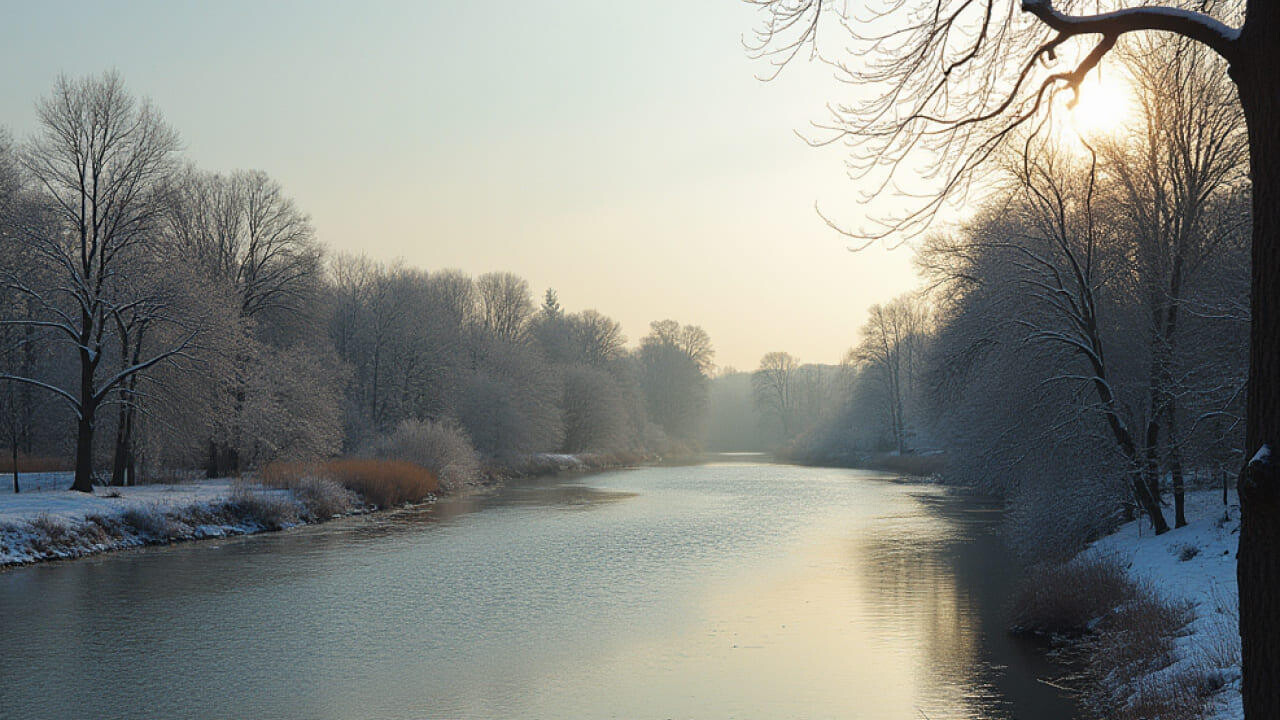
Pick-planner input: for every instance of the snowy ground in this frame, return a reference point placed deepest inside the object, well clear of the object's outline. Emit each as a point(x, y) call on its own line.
point(47, 493)
point(47, 521)
point(1195, 564)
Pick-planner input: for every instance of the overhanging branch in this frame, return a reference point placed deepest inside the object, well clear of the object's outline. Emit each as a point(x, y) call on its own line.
point(1197, 26)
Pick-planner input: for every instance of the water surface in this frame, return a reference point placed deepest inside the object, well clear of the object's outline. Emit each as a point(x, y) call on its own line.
point(727, 590)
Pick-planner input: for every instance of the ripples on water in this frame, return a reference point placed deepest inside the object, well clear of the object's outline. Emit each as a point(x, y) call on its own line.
point(714, 591)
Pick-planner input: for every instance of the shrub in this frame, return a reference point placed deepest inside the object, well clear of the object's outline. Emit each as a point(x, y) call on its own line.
point(441, 447)
point(1137, 638)
point(323, 498)
point(384, 483)
point(1065, 599)
point(50, 534)
point(1175, 698)
point(268, 509)
point(1126, 632)
point(149, 522)
point(103, 528)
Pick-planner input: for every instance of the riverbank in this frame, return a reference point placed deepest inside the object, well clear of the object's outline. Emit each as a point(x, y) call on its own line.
point(48, 522)
point(1151, 619)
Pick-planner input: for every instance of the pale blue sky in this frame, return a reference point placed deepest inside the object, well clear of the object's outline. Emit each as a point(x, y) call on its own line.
point(622, 153)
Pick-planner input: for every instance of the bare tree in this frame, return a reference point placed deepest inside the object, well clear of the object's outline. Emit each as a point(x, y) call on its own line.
point(773, 389)
point(954, 77)
point(596, 338)
point(505, 305)
point(692, 341)
point(673, 363)
point(242, 229)
point(97, 160)
point(1174, 176)
point(892, 342)
point(243, 232)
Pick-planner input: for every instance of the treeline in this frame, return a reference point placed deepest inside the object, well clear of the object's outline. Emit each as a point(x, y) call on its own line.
point(156, 317)
point(1080, 344)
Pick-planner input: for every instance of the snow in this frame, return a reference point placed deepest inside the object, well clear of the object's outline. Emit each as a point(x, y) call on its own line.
point(44, 502)
point(47, 493)
point(1205, 579)
point(1262, 456)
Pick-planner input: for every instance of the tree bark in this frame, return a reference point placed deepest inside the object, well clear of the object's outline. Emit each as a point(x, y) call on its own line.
point(83, 481)
point(1258, 559)
point(1175, 470)
point(119, 458)
point(88, 407)
point(1150, 504)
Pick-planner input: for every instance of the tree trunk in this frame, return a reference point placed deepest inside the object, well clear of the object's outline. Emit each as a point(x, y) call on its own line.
point(1179, 492)
point(1150, 504)
point(1175, 471)
point(14, 457)
point(223, 461)
point(1258, 559)
point(84, 454)
point(118, 458)
point(88, 407)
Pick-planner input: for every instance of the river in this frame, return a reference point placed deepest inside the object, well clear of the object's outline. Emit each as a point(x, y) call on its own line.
point(734, 589)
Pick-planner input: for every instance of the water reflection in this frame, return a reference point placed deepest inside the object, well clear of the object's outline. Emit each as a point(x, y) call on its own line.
point(725, 590)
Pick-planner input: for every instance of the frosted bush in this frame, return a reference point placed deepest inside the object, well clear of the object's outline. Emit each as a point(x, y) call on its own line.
point(441, 447)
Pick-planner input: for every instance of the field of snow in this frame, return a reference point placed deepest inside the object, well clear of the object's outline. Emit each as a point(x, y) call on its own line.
point(1196, 565)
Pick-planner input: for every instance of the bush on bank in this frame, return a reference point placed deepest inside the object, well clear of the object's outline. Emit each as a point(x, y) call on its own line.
point(1121, 635)
point(381, 483)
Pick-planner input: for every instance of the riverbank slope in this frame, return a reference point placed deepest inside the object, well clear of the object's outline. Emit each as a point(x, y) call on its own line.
point(45, 521)
point(1150, 621)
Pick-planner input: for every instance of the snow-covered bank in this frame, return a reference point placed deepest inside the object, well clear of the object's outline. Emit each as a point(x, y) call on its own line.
point(48, 522)
point(1193, 566)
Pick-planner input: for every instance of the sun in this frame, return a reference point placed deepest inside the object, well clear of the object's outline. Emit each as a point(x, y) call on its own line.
point(1105, 103)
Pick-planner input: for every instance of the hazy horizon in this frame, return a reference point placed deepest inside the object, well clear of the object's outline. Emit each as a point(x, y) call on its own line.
point(626, 156)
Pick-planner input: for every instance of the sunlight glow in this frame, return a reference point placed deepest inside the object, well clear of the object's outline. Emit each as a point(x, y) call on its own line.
point(1104, 104)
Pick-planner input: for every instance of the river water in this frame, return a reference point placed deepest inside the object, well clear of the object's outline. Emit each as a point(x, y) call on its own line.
point(727, 590)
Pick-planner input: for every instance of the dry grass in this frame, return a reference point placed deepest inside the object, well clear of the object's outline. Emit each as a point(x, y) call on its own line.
point(1220, 648)
point(1125, 633)
point(149, 522)
point(1176, 698)
point(1066, 599)
point(1136, 639)
point(274, 511)
point(384, 483)
point(324, 498)
point(50, 535)
point(33, 463)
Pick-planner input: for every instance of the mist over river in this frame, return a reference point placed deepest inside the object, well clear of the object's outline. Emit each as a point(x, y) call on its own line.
point(733, 589)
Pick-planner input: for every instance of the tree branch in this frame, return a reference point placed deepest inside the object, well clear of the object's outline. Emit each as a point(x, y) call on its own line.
point(1197, 26)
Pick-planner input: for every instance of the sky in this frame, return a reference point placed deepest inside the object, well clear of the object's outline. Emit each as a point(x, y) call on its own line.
point(624, 154)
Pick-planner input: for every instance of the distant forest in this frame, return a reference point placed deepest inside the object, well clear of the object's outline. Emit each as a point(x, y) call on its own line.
point(158, 318)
